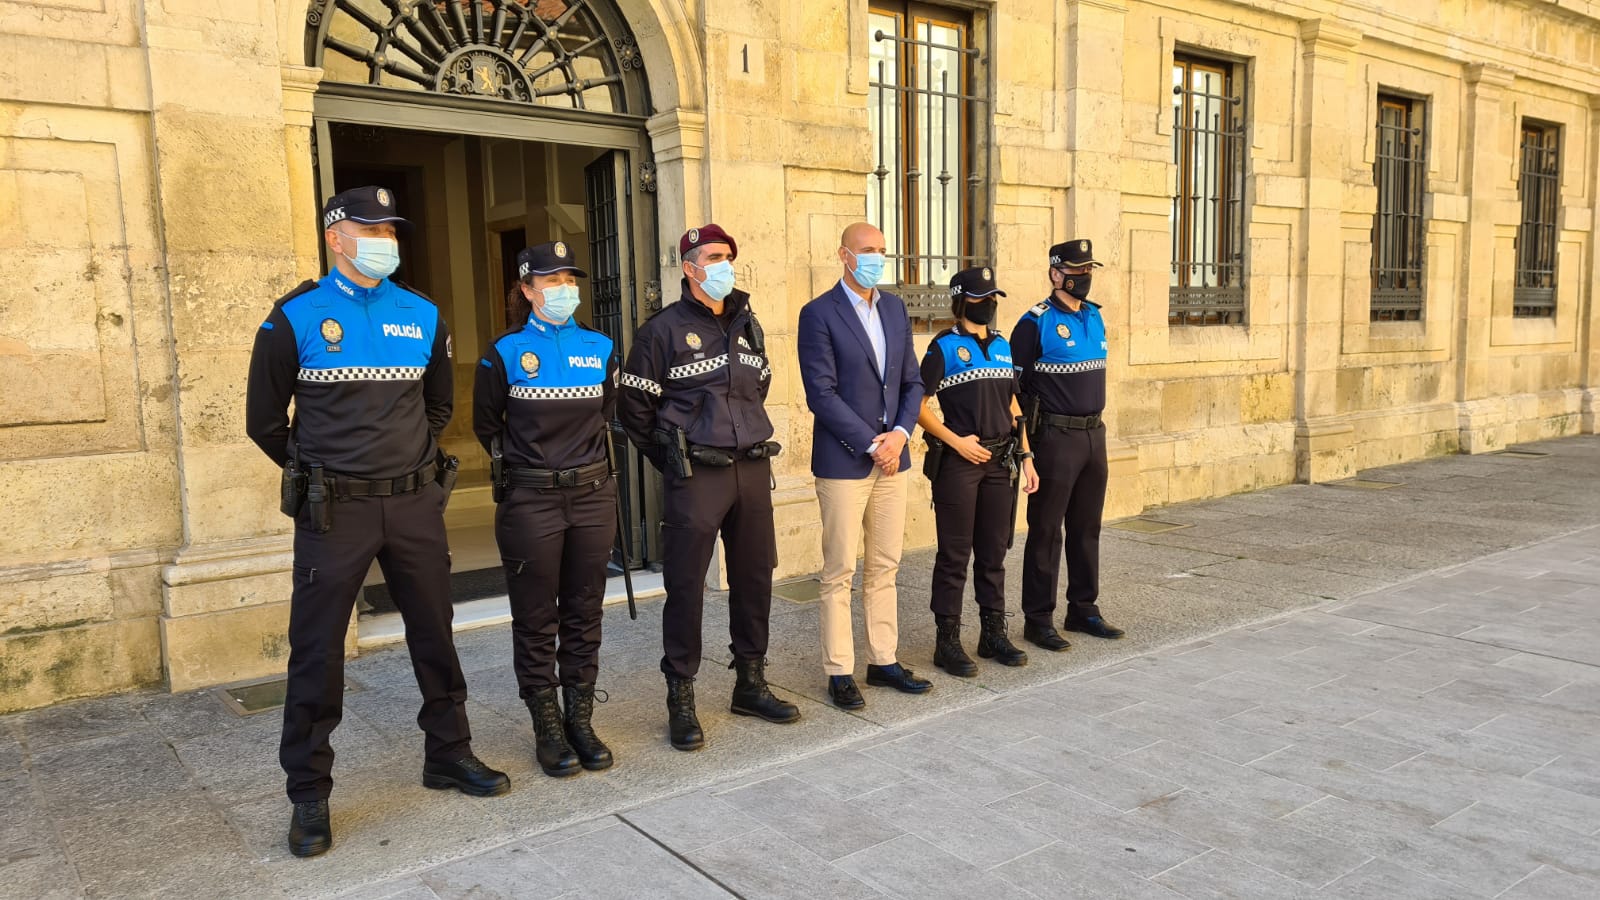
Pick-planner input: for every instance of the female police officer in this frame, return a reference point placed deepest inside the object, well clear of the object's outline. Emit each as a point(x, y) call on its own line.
point(971, 458)
point(543, 396)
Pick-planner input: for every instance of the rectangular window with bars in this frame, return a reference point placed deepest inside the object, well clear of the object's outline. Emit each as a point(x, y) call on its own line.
point(1399, 229)
point(1208, 214)
point(925, 191)
point(1540, 191)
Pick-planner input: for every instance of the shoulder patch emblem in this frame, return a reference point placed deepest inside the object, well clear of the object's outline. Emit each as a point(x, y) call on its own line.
point(1063, 330)
point(530, 363)
point(964, 354)
point(692, 340)
point(332, 331)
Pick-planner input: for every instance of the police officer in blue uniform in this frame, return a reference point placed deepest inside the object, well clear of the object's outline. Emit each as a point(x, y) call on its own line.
point(543, 398)
point(1060, 351)
point(693, 399)
point(976, 450)
point(366, 362)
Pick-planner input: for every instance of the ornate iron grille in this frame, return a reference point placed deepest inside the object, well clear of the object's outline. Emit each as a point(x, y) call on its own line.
point(1398, 227)
point(550, 52)
point(925, 191)
point(1208, 147)
point(1540, 187)
point(605, 257)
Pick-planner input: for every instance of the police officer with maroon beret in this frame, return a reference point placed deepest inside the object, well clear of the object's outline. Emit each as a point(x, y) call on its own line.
point(693, 398)
point(543, 397)
point(1060, 351)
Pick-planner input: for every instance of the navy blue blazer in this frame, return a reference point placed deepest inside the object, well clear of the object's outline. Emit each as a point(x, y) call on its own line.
point(852, 402)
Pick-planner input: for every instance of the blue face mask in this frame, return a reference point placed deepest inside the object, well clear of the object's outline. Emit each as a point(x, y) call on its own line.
point(560, 302)
point(376, 257)
point(718, 283)
point(869, 269)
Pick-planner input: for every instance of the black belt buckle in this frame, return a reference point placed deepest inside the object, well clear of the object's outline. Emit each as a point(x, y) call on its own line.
point(566, 478)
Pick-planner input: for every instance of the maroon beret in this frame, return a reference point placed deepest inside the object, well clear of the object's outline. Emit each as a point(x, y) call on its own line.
point(707, 234)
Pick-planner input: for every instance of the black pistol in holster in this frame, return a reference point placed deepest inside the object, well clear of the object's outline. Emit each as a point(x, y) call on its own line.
point(292, 488)
point(449, 470)
point(932, 459)
point(1014, 450)
point(319, 501)
point(1030, 415)
point(676, 445)
point(498, 487)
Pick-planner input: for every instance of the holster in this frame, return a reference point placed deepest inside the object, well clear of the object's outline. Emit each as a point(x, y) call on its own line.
point(292, 489)
point(319, 502)
point(710, 456)
point(675, 447)
point(764, 450)
point(498, 487)
point(933, 458)
point(449, 469)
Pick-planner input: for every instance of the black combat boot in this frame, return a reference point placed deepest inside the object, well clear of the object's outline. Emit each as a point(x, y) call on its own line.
point(947, 652)
point(682, 725)
point(550, 741)
point(309, 831)
point(993, 643)
point(752, 697)
point(578, 706)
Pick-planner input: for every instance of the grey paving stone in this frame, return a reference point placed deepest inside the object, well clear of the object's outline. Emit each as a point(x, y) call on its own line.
point(128, 849)
point(408, 888)
point(25, 829)
point(1580, 775)
point(1552, 884)
point(1212, 776)
point(1465, 748)
point(1381, 879)
point(619, 862)
point(181, 717)
point(1299, 724)
point(242, 763)
point(1315, 767)
point(846, 773)
point(1098, 830)
point(763, 863)
point(1269, 843)
point(1576, 812)
point(955, 825)
point(911, 867)
point(1219, 739)
point(98, 773)
point(80, 720)
point(512, 872)
point(812, 818)
point(1544, 843)
point(1223, 876)
point(691, 821)
point(1089, 774)
point(1057, 724)
point(1059, 871)
point(39, 876)
point(968, 774)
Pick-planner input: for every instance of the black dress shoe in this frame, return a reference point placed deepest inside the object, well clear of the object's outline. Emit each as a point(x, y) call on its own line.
point(310, 834)
point(1045, 636)
point(843, 692)
point(898, 677)
point(1092, 625)
point(683, 726)
point(468, 775)
point(752, 696)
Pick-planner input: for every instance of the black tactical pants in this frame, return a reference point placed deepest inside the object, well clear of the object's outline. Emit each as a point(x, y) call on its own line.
point(737, 503)
point(405, 533)
point(971, 506)
point(1072, 493)
point(555, 543)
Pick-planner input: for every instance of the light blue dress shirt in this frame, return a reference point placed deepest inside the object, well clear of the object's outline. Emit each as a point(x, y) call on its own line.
point(867, 309)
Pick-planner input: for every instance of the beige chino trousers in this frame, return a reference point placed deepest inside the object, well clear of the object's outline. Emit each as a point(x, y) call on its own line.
point(876, 507)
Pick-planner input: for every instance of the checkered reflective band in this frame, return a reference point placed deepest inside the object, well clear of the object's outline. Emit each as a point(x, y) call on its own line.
point(640, 384)
point(364, 373)
point(1088, 365)
point(753, 361)
point(585, 392)
point(974, 375)
point(703, 367)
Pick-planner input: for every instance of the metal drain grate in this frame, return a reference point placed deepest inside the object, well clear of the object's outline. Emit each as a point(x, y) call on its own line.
point(1521, 454)
point(1149, 526)
point(263, 696)
point(806, 590)
point(1367, 484)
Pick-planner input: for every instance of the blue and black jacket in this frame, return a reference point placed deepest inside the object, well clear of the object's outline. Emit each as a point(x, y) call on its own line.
point(368, 370)
point(974, 379)
point(548, 391)
point(1061, 357)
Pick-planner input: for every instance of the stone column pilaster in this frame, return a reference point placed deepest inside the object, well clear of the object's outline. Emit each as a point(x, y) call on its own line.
point(1481, 416)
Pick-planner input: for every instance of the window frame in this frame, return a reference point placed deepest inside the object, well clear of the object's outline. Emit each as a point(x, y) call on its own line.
point(1224, 302)
point(1538, 239)
point(1408, 241)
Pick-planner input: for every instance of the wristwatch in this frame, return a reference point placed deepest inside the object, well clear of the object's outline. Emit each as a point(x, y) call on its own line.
point(1028, 454)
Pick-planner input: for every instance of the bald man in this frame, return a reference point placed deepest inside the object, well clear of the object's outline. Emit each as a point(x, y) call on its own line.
point(864, 388)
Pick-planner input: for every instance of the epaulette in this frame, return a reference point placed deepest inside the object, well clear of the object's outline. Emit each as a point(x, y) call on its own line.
point(1039, 309)
point(401, 284)
point(494, 341)
point(304, 287)
point(1092, 303)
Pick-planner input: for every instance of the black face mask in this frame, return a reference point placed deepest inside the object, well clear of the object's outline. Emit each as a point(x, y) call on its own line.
point(980, 313)
point(1076, 285)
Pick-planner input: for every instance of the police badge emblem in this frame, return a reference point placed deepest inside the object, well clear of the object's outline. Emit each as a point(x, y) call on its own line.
point(693, 340)
point(987, 275)
point(383, 197)
point(530, 363)
point(561, 250)
point(1063, 331)
point(964, 354)
point(694, 235)
point(1083, 246)
point(332, 331)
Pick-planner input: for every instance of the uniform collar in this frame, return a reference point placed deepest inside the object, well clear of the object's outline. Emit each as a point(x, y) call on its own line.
point(540, 326)
point(336, 282)
point(989, 334)
point(731, 307)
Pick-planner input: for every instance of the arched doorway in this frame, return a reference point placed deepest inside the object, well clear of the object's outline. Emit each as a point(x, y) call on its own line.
point(497, 124)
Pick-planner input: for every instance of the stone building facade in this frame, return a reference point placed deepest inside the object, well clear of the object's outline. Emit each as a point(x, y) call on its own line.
point(1336, 238)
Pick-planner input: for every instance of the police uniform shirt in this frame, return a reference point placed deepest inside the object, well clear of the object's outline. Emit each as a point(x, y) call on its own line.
point(368, 370)
point(974, 379)
point(550, 389)
point(689, 369)
point(1061, 356)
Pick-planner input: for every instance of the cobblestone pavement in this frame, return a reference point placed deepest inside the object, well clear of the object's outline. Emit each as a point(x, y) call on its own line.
point(1327, 691)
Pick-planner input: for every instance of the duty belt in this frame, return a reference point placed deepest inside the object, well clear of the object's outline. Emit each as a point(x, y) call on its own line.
point(346, 487)
point(1079, 423)
point(523, 476)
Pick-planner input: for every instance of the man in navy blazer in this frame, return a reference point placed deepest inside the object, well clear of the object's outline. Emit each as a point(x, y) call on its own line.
point(865, 390)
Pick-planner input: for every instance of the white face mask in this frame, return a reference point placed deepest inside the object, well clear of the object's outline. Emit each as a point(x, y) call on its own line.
point(560, 301)
point(375, 257)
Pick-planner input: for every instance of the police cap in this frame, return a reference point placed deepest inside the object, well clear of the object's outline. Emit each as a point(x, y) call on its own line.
point(1076, 253)
point(368, 205)
point(707, 234)
point(977, 283)
point(547, 259)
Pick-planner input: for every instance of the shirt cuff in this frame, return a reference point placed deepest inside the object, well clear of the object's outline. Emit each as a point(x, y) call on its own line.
point(903, 431)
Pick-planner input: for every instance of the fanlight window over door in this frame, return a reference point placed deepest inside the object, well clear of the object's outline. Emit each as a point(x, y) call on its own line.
point(576, 54)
